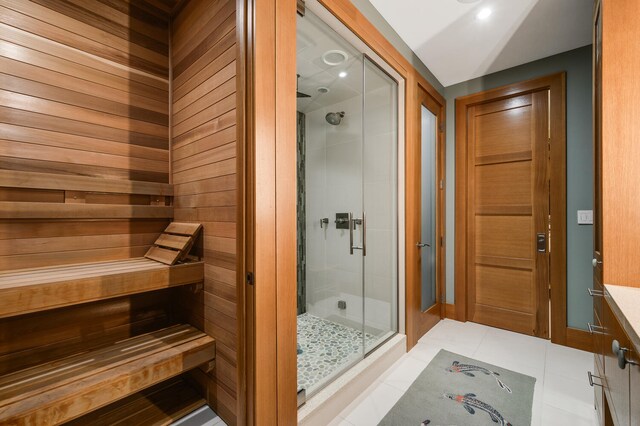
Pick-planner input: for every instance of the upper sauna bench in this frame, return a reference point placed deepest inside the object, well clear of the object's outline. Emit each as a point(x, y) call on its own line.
point(52, 197)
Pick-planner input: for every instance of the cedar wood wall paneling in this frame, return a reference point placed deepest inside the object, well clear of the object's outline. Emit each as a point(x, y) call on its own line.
point(204, 177)
point(83, 91)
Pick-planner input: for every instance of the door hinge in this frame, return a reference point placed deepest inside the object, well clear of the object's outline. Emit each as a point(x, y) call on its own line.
point(250, 278)
point(441, 241)
point(549, 293)
point(441, 126)
point(441, 184)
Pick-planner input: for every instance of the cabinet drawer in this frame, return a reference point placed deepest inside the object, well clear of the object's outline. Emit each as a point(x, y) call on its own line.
point(616, 379)
point(598, 396)
point(598, 338)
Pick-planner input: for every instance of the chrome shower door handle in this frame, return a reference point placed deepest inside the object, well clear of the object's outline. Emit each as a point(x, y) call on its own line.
point(364, 234)
point(350, 233)
point(421, 245)
point(352, 223)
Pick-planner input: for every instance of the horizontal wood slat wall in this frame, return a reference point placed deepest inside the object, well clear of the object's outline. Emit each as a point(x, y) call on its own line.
point(204, 156)
point(84, 94)
point(84, 90)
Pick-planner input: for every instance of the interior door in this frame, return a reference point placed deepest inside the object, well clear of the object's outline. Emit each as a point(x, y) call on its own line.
point(508, 215)
point(431, 223)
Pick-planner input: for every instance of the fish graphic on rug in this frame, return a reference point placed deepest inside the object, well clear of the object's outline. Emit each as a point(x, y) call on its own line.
point(471, 404)
point(466, 369)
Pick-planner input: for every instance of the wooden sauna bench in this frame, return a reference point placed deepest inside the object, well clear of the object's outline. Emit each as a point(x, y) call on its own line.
point(29, 290)
point(53, 197)
point(64, 389)
point(69, 384)
point(161, 404)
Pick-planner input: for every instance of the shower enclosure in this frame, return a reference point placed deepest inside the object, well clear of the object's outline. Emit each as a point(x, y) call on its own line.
point(347, 204)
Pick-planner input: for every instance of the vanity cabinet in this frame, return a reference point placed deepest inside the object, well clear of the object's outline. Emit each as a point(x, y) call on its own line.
point(616, 202)
point(634, 390)
point(616, 380)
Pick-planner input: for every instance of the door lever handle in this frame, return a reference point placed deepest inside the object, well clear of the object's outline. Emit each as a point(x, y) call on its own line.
point(420, 245)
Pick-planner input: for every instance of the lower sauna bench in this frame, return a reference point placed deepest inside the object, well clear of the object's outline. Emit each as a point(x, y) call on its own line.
point(65, 389)
point(159, 405)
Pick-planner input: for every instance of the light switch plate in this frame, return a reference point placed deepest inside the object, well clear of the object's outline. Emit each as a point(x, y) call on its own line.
point(585, 217)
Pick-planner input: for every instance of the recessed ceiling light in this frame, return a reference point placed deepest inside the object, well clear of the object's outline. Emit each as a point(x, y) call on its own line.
point(484, 13)
point(334, 57)
point(342, 74)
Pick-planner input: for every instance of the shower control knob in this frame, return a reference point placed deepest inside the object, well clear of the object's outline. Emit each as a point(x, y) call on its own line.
point(420, 245)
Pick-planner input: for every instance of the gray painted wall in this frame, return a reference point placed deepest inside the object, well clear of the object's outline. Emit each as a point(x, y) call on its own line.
point(372, 14)
point(577, 64)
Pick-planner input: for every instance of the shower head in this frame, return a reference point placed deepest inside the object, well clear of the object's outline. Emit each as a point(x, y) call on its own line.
point(334, 118)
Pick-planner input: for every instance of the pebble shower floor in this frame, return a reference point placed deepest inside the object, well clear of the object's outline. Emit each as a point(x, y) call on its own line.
point(326, 347)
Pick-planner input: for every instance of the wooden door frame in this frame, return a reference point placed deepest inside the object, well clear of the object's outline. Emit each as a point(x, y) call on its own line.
point(269, 187)
point(413, 165)
point(556, 83)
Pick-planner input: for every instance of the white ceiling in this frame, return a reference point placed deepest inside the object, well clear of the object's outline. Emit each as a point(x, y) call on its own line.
point(313, 39)
point(456, 46)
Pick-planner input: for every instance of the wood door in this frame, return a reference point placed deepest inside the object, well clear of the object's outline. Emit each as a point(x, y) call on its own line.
point(428, 241)
point(508, 211)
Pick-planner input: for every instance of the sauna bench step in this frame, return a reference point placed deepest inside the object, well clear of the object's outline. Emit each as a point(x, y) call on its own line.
point(30, 290)
point(64, 389)
point(159, 405)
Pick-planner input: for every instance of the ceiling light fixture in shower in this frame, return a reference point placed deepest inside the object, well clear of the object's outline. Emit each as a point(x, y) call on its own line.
point(342, 74)
point(334, 57)
point(483, 14)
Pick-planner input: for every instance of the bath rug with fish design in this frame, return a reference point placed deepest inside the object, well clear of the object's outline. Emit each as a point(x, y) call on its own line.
point(456, 390)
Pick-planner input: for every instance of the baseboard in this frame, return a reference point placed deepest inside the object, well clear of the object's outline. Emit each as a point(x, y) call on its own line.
point(450, 311)
point(579, 339)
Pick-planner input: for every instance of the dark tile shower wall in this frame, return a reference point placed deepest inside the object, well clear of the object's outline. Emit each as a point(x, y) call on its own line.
point(301, 213)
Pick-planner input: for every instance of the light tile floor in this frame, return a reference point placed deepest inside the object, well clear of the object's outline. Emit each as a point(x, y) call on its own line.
point(562, 394)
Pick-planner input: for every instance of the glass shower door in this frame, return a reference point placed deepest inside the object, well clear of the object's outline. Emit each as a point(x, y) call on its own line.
point(380, 162)
point(347, 205)
point(330, 273)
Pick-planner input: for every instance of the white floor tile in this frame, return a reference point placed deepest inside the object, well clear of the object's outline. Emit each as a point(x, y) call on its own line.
point(405, 373)
point(428, 349)
point(375, 406)
point(568, 362)
point(562, 395)
point(574, 396)
point(517, 352)
point(466, 334)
